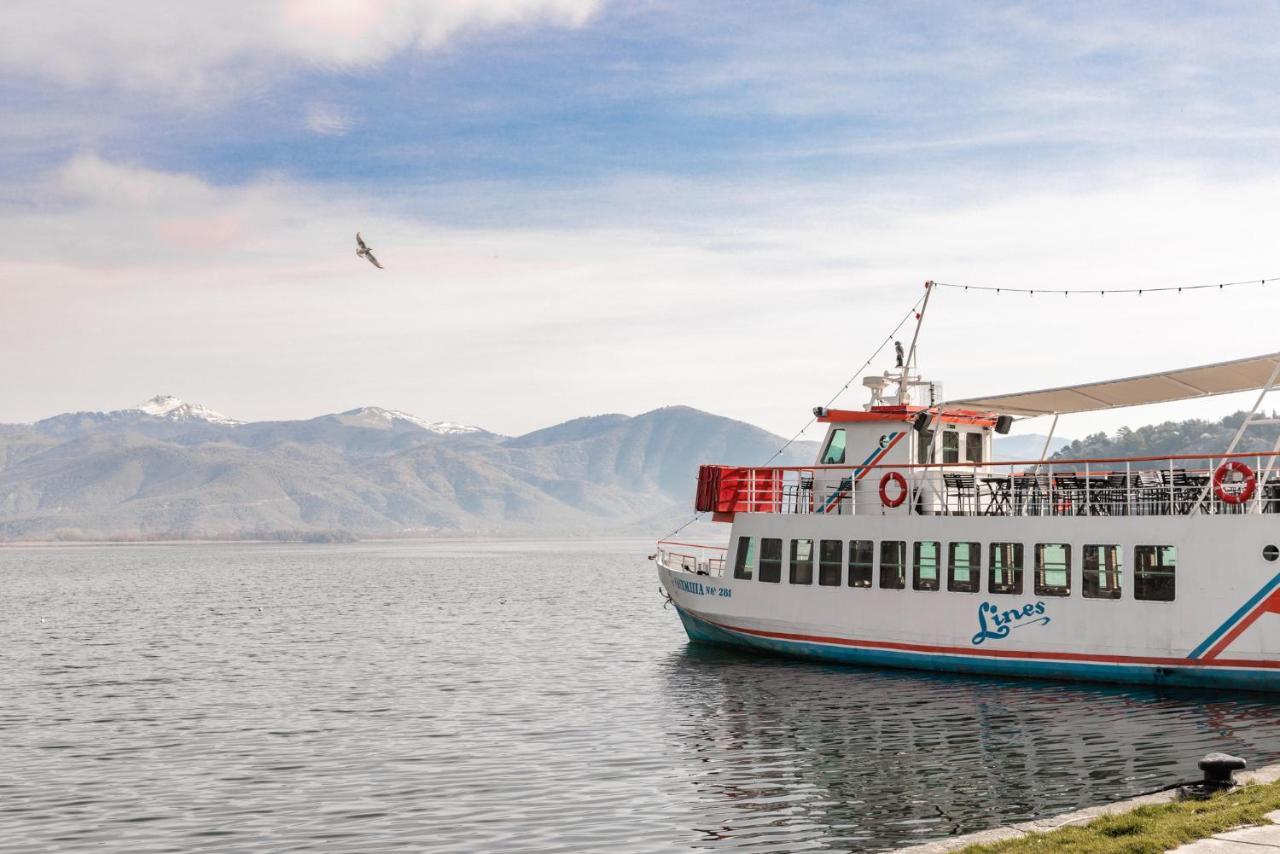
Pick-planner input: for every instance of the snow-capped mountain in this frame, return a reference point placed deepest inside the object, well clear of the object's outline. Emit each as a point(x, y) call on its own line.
point(136, 474)
point(171, 408)
point(376, 416)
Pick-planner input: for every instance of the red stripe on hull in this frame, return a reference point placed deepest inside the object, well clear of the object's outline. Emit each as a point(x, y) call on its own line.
point(1269, 605)
point(1002, 653)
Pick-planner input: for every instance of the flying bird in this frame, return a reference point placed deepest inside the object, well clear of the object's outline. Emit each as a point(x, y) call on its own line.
point(363, 251)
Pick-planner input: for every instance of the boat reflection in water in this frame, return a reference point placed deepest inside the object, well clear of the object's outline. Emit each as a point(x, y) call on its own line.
point(780, 755)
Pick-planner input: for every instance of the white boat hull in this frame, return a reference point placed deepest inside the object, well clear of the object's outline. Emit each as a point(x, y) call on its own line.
point(1222, 628)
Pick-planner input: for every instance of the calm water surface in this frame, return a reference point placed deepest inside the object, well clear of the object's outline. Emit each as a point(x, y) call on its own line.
point(508, 697)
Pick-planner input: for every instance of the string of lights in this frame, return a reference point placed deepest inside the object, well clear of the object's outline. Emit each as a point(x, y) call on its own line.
point(1105, 291)
point(1000, 290)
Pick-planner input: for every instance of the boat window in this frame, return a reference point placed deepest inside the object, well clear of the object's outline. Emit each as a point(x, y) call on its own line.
point(1053, 569)
point(1153, 568)
point(744, 565)
point(951, 447)
point(973, 447)
point(861, 556)
point(830, 562)
point(771, 560)
point(924, 447)
point(801, 562)
point(1006, 569)
point(834, 455)
point(1102, 570)
point(925, 566)
point(893, 564)
point(964, 567)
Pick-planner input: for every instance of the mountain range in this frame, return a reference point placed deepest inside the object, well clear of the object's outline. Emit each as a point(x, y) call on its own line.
point(168, 469)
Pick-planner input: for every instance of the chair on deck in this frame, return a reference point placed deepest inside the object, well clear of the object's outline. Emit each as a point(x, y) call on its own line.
point(1068, 495)
point(1186, 491)
point(1038, 493)
point(1271, 495)
point(965, 490)
point(1114, 497)
point(1153, 494)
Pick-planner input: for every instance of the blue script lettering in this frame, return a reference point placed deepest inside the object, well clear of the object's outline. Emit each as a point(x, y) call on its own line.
point(993, 624)
point(690, 586)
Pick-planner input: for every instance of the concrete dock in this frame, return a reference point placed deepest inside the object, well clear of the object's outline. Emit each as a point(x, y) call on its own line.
point(1256, 839)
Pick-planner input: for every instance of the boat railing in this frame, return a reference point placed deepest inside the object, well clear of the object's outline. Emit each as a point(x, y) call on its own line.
point(1175, 485)
point(692, 557)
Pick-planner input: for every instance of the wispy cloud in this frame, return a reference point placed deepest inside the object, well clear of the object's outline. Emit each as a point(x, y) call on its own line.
point(720, 196)
point(131, 279)
point(328, 119)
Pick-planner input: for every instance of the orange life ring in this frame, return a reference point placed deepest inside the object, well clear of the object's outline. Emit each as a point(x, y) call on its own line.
point(893, 477)
point(1219, 482)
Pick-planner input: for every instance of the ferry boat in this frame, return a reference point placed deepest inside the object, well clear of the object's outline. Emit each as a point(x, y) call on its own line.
point(906, 544)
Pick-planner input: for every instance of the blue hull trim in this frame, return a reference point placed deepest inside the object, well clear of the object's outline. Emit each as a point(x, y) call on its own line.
point(1234, 678)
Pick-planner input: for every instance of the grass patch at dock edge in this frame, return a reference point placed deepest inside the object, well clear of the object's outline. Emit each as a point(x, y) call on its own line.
point(1151, 829)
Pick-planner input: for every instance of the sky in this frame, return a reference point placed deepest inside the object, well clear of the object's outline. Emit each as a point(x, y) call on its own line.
point(589, 206)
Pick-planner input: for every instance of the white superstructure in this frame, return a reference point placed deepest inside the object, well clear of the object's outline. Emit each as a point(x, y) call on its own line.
point(906, 545)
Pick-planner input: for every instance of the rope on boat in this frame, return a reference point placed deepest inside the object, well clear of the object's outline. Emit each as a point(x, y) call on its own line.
point(911, 314)
point(1104, 292)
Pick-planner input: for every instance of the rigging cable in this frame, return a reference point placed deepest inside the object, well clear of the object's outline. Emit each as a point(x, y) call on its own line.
point(1105, 291)
point(989, 288)
point(913, 312)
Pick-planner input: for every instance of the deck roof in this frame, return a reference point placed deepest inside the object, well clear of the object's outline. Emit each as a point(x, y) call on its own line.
point(1183, 384)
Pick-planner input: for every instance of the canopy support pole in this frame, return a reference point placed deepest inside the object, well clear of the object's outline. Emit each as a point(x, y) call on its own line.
point(1044, 452)
point(1244, 425)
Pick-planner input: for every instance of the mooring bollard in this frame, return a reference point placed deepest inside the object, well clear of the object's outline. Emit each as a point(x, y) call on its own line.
point(1218, 769)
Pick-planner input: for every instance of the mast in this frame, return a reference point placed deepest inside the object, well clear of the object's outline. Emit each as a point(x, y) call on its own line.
point(909, 362)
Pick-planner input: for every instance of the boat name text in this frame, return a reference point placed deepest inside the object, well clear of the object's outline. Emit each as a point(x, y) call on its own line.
point(701, 589)
point(995, 624)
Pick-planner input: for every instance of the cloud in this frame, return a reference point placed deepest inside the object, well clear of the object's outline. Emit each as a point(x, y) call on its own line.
point(328, 119)
point(127, 279)
point(194, 49)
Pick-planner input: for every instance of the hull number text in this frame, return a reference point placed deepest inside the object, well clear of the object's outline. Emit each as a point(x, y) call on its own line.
point(700, 589)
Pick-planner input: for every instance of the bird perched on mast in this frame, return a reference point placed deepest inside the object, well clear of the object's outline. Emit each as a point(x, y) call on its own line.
point(897, 350)
point(363, 251)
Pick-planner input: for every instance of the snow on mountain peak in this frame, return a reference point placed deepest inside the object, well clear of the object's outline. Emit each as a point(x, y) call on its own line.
point(451, 428)
point(378, 415)
point(172, 408)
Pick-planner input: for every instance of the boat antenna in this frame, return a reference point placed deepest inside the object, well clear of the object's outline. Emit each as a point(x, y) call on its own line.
point(916, 310)
point(908, 364)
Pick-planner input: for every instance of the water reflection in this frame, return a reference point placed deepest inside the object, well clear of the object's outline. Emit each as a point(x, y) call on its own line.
point(465, 697)
point(783, 754)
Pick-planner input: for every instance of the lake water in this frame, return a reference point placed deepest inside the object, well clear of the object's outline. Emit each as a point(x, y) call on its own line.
point(509, 697)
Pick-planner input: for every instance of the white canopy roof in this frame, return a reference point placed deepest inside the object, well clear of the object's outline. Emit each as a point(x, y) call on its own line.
point(1224, 377)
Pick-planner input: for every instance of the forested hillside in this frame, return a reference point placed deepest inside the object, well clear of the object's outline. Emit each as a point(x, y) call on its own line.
point(1173, 437)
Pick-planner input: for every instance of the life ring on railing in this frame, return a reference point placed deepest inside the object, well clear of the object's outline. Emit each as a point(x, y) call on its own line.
point(893, 477)
point(1219, 482)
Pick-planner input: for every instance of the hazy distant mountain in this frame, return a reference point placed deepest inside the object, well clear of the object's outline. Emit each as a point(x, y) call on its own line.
point(170, 469)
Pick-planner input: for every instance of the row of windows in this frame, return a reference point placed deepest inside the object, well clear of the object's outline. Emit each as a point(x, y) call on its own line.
point(950, 447)
point(1101, 578)
point(836, 446)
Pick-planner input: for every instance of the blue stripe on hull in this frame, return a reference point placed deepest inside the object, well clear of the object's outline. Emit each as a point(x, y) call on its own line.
point(1128, 674)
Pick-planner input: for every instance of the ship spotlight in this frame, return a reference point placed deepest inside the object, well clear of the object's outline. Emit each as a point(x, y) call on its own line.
point(819, 412)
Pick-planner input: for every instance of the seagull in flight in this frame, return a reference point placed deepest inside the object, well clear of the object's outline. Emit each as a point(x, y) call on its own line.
point(363, 251)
